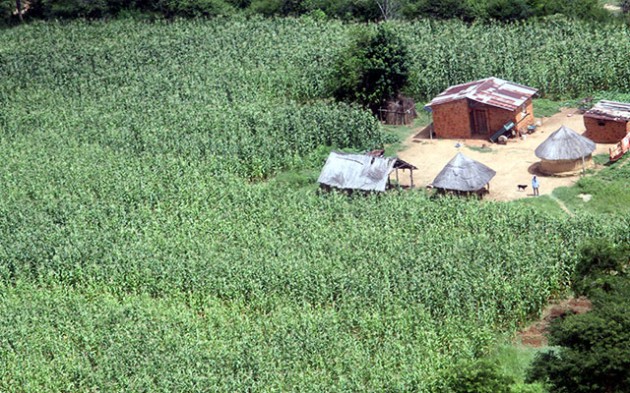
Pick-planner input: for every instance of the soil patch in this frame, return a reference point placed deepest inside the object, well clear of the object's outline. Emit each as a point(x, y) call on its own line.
point(514, 162)
point(535, 334)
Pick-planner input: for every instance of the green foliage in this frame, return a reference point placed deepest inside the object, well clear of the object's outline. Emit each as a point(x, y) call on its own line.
point(608, 190)
point(480, 376)
point(593, 353)
point(509, 10)
point(192, 8)
point(137, 256)
point(375, 68)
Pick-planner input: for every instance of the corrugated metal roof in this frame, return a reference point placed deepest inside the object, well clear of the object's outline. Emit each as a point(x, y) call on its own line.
point(463, 174)
point(356, 171)
point(610, 110)
point(565, 144)
point(491, 91)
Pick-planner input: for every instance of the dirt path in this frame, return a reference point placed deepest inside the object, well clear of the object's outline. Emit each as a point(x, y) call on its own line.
point(515, 162)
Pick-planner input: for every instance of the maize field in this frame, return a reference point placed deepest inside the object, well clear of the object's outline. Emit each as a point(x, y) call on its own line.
point(136, 254)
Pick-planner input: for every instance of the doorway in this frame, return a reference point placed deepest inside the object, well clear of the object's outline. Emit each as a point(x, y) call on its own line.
point(480, 122)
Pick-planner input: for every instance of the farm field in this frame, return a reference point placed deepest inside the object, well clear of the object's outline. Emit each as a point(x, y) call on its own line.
point(146, 244)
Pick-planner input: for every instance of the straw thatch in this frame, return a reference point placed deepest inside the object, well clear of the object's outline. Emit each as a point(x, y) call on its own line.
point(463, 174)
point(565, 144)
point(356, 171)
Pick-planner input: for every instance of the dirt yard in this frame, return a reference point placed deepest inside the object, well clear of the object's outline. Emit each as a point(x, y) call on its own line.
point(514, 162)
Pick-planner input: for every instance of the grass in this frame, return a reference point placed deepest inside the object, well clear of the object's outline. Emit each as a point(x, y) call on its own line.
point(543, 203)
point(396, 135)
point(608, 188)
point(483, 149)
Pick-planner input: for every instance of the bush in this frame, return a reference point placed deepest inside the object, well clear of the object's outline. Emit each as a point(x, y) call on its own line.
point(599, 259)
point(480, 376)
point(193, 8)
point(594, 354)
point(508, 10)
point(594, 348)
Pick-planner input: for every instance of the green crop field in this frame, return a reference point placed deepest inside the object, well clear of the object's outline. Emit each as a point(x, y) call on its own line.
point(140, 250)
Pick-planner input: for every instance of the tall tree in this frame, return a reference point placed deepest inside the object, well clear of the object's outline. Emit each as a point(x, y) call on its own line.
point(375, 69)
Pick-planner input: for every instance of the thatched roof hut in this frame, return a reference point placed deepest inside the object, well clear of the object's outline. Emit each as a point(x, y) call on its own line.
point(464, 175)
point(564, 151)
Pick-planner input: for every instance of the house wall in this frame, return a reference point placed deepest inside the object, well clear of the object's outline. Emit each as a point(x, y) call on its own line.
point(497, 117)
point(605, 131)
point(452, 119)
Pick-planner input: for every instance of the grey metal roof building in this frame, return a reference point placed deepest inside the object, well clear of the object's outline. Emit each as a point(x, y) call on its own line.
point(356, 171)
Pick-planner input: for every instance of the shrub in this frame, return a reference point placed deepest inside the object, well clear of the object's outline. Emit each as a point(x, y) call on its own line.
point(508, 10)
point(480, 376)
point(599, 259)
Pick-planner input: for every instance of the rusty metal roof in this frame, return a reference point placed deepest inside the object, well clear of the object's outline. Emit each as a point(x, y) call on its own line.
point(491, 91)
point(610, 110)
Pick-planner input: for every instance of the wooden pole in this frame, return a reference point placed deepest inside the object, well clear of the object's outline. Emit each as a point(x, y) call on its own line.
point(411, 176)
point(397, 176)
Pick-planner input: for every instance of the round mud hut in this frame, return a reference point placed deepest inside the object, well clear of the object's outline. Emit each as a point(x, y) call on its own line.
point(565, 152)
point(464, 176)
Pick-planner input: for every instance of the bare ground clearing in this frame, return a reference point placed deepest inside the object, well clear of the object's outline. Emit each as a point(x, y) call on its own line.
point(514, 162)
point(535, 334)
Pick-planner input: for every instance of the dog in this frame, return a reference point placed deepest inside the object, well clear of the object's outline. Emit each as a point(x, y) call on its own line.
point(521, 187)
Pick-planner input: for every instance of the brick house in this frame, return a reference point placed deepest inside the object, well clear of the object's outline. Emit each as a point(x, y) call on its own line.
point(607, 121)
point(479, 109)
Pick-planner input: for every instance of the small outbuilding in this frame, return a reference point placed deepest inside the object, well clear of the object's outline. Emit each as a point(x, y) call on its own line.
point(482, 108)
point(463, 175)
point(365, 172)
point(565, 152)
point(607, 121)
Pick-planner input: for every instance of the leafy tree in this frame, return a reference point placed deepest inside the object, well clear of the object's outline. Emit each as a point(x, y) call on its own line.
point(508, 10)
point(375, 69)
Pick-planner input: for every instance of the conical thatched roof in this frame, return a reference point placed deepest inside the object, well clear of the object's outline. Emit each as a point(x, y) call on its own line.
point(463, 174)
point(565, 144)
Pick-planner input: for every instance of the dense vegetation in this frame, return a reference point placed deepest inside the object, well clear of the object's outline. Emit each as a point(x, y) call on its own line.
point(592, 351)
point(362, 10)
point(137, 256)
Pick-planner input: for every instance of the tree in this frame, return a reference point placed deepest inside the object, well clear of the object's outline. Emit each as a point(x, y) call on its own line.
point(389, 8)
point(375, 69)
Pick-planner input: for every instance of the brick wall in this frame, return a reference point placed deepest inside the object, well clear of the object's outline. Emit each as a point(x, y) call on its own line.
point(497, 117)
point(605, 131)
point(452, 119)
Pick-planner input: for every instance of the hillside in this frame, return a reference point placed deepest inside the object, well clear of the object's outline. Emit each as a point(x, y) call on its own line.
point(142, 252)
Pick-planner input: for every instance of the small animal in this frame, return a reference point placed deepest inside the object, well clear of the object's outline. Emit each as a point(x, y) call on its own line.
point(521, 187)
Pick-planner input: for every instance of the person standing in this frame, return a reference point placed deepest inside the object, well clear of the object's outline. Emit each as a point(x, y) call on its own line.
point(535, 186)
